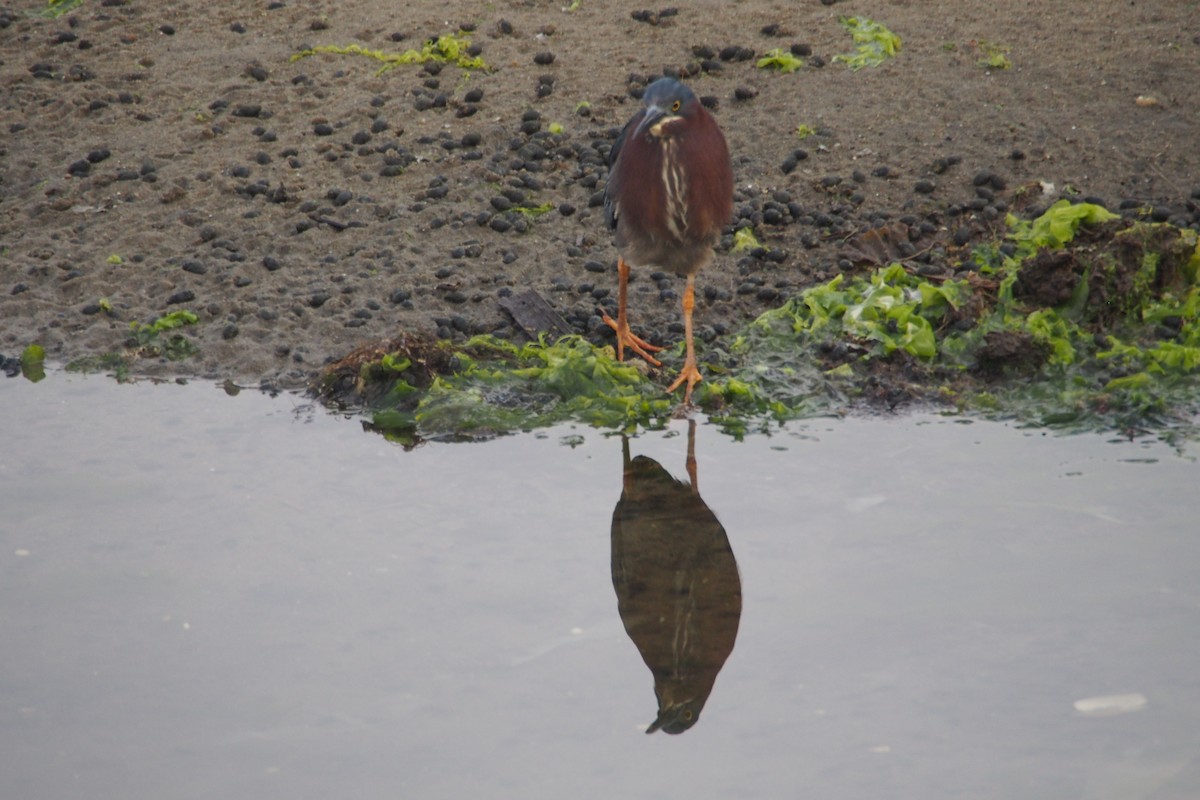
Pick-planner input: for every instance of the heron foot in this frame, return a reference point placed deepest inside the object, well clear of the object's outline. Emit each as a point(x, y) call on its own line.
point(690, 375)
point(627, 338)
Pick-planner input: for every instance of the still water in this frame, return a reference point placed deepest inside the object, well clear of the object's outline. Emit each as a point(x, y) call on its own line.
point(248, 597)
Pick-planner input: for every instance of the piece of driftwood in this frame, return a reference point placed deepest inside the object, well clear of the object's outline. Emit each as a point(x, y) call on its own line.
point(534, 315)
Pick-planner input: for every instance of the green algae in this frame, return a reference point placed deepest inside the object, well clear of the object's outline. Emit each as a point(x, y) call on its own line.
point(874, 43)
point(448, 48)
point(488, 386)
point(1076, 320)
point(33, 363)
point(744, 240)
point(56, 8)
point(162, 337)
point(993, 55)
point(781, 60)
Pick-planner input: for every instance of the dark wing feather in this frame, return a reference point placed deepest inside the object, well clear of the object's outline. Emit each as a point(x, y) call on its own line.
point(612, 189)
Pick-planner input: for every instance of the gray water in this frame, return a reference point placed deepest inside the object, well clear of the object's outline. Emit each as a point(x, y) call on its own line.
point(248, 597)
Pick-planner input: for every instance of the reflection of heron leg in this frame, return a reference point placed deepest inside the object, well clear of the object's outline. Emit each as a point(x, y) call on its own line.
point(691, 456)
point(627, 476)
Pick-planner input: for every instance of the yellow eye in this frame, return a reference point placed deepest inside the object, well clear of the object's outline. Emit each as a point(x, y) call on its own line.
point(675, 106)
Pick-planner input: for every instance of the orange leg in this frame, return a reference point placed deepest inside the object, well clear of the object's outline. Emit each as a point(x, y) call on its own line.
point(689, 373)
point(621, 324)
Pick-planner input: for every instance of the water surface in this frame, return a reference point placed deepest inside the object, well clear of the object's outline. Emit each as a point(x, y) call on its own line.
point(249, 597)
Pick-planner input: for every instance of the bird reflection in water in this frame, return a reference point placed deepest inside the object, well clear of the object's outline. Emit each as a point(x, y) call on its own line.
point(677, 584)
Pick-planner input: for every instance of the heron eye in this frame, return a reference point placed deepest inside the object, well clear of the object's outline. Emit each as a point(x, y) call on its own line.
point(675, 106)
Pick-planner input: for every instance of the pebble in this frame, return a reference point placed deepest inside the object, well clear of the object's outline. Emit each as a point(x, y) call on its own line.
point(792, 161)
point(736, 53)
point(182, 296)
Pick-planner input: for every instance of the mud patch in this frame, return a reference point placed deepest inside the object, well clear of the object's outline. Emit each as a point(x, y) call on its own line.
point(1048, 279)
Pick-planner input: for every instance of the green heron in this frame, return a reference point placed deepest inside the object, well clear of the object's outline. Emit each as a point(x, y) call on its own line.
point(677, 585)
point(669, 195)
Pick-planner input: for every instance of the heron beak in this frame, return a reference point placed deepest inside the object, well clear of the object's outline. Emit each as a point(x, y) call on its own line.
point(653, 121)
point(673, 719)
